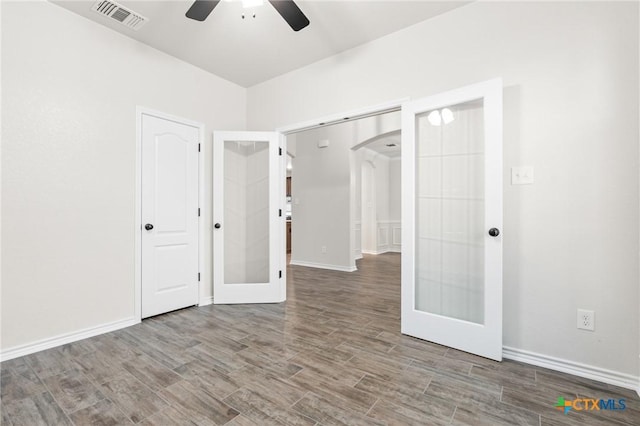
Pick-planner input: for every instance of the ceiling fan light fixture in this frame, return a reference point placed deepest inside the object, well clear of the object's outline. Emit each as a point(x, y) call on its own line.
point(438, 117)
point(290, 12)
point(447, 115)
point(434, 118)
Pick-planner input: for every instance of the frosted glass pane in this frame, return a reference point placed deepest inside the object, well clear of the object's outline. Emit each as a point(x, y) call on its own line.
point(246, 212)
point(450, 212)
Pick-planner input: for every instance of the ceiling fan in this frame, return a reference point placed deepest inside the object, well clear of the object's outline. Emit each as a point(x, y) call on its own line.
point(291, 13)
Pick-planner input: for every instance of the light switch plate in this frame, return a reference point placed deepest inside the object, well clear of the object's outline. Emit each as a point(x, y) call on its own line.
point(522, 175)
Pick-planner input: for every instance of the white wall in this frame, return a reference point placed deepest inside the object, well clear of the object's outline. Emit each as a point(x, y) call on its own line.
point(356, 202)
point(368, 207)
point(382, 187)
point(395, 213)
point(321, 188)
point(70, 90)
point(393, 225)
point(571, 109)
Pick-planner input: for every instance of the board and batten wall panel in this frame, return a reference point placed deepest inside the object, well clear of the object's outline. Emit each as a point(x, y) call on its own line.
point(570, 73)
point(70, 88)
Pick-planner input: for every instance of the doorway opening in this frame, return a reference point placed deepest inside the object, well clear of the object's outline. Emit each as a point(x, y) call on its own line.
point(380, 189)
point(451, 286)
point(343, 192)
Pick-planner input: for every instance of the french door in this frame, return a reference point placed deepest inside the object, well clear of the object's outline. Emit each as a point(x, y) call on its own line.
point(248, 218)
point(452, 219)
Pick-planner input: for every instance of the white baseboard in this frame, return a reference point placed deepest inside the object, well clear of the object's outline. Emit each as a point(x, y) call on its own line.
point(390, 250)
point(611, 377)
point(372, 252)
point(204, 301)
point(323, 266)
point(63, 339)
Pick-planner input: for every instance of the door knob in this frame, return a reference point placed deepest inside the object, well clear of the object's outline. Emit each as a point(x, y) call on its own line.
point(494, 232)
point(148, 227)
point(217, 226)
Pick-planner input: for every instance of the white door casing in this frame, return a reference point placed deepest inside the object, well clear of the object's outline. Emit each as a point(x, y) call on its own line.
point(169, 204)
point(451, 197)
point(248, 213)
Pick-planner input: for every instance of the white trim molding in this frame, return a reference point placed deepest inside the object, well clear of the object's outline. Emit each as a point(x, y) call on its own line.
point(387, 238)
point(323, 266)
point(395, 244)
point(375, 253)
point(351, 115)
point(63, 339)
point(205, 300)
point(357, 232)
point(604, 375)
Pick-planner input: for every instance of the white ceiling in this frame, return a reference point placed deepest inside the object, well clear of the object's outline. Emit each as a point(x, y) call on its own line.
point(381, 144)
point(254, 50)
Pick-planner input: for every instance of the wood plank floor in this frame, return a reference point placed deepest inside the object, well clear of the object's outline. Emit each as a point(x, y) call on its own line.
point(332, 354)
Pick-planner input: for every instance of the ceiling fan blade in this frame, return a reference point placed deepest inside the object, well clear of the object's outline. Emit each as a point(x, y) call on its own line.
point(200, 9)
point(291, 13)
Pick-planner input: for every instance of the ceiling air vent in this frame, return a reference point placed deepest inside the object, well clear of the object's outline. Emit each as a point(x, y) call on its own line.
point(125, 16)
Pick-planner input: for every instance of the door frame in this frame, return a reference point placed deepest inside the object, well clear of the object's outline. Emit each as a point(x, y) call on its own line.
point(140, 111)
point(327, 120)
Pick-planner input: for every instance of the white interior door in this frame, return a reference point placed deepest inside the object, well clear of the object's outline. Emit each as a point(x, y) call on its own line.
point(169, 239)
point(248, 218)
point(452, 216)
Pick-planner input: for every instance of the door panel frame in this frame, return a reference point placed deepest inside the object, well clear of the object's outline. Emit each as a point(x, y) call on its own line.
point(140, 112)
point(260, 293)
point(491, 92)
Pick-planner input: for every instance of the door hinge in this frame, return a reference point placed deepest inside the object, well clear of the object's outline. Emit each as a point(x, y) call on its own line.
point(198, 147)
point(198, 276)
point(279, 151)
point(279, 274)
point(280, 212)
point(198, 211)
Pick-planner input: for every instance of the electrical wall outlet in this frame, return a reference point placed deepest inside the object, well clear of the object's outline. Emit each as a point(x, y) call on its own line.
point(323, 249)
point(586, 320)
